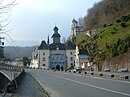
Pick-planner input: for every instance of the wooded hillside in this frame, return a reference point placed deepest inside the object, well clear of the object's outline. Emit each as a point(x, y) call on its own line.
point(105, 12)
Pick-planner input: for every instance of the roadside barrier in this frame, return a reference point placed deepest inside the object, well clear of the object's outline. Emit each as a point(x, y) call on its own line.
point(116, 76)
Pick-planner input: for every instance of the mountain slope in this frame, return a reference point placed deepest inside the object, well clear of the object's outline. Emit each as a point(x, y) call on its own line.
point(18, 52)
point(110, 40)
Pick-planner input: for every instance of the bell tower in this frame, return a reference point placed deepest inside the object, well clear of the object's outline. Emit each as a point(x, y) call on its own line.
point(56, 36)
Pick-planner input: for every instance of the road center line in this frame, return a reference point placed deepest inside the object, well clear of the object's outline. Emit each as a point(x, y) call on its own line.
point(105, 89)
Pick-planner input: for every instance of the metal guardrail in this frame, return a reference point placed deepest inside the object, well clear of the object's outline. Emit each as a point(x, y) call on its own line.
point(11, 68)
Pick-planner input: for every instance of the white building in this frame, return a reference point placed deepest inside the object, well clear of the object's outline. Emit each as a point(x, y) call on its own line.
point(75, 29)
point(56, 55)
point(34, 61)
point(81, 55)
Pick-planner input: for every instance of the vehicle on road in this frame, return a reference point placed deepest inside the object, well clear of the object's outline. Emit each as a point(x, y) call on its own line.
point(123, 70)
point(107, 69)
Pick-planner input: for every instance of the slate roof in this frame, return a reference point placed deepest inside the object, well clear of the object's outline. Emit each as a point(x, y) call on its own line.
point(43, 45)
point(55, 28)
point(83, 52)
point(54, 46)
point(70, 45)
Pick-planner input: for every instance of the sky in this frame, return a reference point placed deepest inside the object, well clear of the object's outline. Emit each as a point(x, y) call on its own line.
point(33, 20)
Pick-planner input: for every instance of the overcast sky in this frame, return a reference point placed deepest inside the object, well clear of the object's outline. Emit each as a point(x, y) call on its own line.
point(33, 20)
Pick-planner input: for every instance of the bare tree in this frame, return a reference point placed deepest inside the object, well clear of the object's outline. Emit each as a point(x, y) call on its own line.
point(5, 17)
point(5, 7)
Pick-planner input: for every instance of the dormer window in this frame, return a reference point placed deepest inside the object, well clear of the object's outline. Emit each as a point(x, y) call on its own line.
point(57, 48)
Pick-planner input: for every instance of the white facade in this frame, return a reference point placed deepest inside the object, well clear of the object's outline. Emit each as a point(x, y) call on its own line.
point(80, 56)
point(43, 58)
point(70, 57)
point(56, 56)
point(34, 63)
point(77, 65)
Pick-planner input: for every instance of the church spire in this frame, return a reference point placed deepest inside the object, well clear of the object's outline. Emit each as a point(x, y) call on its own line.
point(48, 40)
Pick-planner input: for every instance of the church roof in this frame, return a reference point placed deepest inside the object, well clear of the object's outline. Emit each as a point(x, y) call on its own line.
point(54, 46)
point(70, 45)
point(43, 45)
point(55, 28)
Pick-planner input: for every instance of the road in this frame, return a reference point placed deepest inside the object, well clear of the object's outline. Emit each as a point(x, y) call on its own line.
point(61, 84)
point(28, 87)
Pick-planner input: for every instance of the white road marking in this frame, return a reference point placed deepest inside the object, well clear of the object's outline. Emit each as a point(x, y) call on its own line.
point(74, 74)
point(77, 75)
point(96, 77)
point(105, 89)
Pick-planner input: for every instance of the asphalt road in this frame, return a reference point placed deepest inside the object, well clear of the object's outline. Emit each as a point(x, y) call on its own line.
point(61, 84)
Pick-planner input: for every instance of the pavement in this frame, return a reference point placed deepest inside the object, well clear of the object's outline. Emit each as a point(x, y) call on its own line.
point(28, 87)
point(62, 84)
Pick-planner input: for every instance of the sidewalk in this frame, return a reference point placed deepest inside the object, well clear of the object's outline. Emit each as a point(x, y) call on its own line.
point(28, 87)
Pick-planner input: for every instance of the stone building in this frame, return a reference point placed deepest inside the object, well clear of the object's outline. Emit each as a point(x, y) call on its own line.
point(75, 29)
point(56, 55)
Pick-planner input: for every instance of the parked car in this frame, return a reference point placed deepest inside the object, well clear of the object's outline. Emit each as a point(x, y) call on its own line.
point(107, 69)
point(123, 70)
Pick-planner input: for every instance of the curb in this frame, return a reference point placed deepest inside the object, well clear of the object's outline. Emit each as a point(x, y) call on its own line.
point(45, 92)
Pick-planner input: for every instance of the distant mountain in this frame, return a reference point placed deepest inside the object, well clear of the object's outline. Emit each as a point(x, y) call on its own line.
point(18, 52)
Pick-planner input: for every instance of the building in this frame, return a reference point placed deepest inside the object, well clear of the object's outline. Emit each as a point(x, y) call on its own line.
point(81, 55)
point(87, 65)
point(34, 61)
point(75, 29)
point(56, 55)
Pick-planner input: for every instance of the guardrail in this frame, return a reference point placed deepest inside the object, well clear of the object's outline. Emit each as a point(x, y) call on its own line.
point(118, 76)
point(11, 67)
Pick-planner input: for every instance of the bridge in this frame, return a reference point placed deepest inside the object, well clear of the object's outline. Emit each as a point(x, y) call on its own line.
point(9, 75)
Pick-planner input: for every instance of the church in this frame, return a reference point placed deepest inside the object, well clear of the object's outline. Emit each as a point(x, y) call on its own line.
point(56, 56)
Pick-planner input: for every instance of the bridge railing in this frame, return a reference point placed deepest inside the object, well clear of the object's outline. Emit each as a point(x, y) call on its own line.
point(11, 67)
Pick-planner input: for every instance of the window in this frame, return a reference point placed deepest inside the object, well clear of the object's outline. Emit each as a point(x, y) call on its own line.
point(43, 59)
point(71, 53)
point(71, 58)
point(44, 65)
point(43, 53)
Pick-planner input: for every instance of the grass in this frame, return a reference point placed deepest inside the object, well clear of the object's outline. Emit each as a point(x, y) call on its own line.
point(107, 35)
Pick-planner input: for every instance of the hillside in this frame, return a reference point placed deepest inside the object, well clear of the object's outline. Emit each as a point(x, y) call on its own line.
point(105, 12)
point(109, 41)
point(18, 52)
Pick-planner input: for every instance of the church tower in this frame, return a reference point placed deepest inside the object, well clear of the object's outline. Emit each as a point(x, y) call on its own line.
point(56, 36)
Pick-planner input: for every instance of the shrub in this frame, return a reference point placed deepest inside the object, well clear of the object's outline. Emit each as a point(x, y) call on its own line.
point(104, 25)
point(118, 21)
point(114, 28)
point(113, 32)
point(110, 24)
point(123, 25)
point(124, 18)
